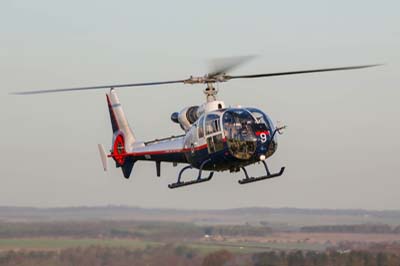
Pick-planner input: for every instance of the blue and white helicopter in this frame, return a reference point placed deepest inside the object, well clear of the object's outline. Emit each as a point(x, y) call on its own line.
point(216, 137)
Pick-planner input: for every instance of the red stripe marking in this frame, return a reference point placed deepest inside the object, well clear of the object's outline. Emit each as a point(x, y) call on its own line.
point(159, 152)
point(266, 132)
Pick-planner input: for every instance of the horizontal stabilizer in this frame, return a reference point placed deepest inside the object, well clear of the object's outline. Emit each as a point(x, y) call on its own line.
point(103, 156)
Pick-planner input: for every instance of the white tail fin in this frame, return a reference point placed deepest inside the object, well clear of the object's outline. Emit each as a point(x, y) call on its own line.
point(119, 121)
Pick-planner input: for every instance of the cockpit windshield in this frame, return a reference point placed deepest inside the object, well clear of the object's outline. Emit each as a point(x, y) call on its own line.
point(239, 132)
point(238, 125)
point(262, 118)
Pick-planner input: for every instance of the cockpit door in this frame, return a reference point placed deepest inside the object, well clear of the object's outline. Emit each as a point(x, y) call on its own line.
point(214, 133)
point(215, 143)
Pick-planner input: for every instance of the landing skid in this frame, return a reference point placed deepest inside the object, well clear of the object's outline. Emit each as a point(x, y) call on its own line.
point(248, 179)
point(199, 179)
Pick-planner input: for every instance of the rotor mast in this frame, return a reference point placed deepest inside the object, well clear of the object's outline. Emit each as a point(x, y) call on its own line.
point(210, 91)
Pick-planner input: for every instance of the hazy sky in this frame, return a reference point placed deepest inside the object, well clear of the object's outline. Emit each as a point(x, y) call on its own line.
point(341, 147)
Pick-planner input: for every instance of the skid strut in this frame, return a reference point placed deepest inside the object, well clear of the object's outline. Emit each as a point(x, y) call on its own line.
point(199, 179)
point(248, 179)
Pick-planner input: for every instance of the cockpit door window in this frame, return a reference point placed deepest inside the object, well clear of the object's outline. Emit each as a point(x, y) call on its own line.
point(200, 128)
point(215, 143)
point(214, 133)
point(212, 124)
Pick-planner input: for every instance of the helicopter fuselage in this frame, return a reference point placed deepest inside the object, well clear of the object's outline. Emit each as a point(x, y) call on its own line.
point(216, 138)
point(231, 138)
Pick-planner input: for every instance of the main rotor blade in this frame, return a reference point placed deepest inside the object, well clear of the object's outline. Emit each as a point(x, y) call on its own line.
point(223, 65)
point(299, 72)
point(210, 78)
point(99, 87)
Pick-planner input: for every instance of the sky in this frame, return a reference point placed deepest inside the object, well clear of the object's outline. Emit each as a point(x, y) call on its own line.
point(341, 146)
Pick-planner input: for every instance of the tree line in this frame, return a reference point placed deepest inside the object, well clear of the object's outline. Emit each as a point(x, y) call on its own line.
point(353, 228)
point(181, 255)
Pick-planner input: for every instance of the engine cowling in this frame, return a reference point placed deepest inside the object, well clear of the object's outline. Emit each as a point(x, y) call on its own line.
point(174, 117)
point(186, 117)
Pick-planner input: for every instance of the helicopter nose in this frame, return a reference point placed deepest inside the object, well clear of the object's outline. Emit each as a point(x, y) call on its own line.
point(266, 149)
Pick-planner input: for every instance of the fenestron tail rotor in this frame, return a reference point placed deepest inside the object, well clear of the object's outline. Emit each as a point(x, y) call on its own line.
point(217, 75)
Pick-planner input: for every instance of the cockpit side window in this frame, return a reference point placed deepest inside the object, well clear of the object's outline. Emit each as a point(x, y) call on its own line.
point(212, 124)
point(200, 129)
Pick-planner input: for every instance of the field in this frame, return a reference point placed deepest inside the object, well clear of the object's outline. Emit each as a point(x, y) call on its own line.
point(134, 236)
point(45, 243)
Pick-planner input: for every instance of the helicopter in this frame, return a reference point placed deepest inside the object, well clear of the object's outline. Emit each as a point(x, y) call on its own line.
point(215, 137)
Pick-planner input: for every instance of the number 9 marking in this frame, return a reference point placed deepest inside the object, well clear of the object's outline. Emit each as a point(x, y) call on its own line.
point(263, 137)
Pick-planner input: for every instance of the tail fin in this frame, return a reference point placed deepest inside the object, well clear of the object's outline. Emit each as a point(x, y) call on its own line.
point(123, 137)
point(118, 119)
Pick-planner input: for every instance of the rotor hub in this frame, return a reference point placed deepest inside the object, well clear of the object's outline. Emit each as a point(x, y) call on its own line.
point(210, 91)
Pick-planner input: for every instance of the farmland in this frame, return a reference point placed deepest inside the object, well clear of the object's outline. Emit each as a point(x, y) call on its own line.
point(72, 236)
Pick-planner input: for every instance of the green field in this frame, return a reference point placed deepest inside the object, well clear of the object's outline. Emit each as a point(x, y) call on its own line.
point(44, 243)
point(249, 247)
point(60, 243)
